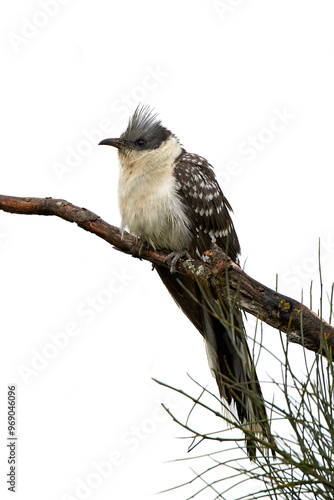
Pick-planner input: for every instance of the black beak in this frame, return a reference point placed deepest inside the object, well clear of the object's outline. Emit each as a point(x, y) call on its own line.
point(117, 143)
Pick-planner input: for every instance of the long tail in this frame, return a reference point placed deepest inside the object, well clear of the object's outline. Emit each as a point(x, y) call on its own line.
point(228, 353)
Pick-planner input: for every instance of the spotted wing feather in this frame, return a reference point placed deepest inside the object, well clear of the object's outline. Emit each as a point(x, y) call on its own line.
point(205, 205)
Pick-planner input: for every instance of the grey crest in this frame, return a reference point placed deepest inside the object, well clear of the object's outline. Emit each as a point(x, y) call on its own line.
point(144, 125)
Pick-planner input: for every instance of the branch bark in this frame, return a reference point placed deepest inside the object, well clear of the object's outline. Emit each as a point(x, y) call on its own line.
point(279, 311)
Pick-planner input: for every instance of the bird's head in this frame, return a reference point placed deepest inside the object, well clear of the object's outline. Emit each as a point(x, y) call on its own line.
point(144, 139)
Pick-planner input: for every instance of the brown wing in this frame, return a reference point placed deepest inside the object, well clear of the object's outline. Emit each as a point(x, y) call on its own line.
point(208, 210)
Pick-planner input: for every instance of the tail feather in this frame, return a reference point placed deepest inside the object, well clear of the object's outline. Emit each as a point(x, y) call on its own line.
point(228, 354)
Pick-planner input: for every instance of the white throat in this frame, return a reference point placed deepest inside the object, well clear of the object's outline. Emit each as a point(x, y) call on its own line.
point(151, 160)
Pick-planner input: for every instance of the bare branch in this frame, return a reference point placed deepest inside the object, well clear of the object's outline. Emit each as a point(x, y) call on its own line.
point(288, 315)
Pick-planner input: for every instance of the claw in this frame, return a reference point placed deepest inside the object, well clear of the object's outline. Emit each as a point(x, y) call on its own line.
point(138, 247)
point(174, 257)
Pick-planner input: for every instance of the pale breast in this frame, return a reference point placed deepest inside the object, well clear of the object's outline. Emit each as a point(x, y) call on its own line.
point(152, 210)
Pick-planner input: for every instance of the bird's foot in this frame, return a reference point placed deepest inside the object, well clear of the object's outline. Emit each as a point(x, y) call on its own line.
point(138, 247)
point(173, 258)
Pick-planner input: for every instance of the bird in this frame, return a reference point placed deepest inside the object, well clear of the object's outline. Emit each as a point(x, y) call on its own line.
point(170, 200)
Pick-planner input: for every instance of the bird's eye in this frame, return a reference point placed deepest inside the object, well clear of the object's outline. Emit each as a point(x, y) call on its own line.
point(140, 142)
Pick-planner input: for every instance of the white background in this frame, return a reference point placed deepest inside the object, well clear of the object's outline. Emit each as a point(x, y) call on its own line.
point(218, 74)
